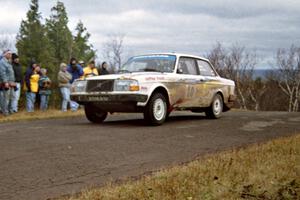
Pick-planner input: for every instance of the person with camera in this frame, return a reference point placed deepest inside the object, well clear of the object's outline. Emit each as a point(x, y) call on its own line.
point(44, 89)
point(7, 82)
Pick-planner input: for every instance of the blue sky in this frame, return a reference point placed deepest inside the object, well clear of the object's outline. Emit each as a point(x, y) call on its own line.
point(175, 25)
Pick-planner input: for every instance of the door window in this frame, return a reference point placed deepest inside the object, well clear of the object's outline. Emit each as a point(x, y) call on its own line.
point(188, 66)
point(205, 68)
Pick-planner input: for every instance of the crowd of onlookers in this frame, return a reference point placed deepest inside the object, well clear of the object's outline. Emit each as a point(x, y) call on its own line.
point(36, 82)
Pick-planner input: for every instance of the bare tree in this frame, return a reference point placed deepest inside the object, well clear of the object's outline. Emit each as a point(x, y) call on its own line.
point(113, 50)
point(237, 64)
point(288, 63)
point(256, 91)
point(217, 57)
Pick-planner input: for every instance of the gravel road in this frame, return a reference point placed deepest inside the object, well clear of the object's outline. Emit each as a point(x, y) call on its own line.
point(49, 158)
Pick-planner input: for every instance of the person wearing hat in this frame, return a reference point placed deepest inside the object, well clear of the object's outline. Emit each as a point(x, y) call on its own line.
point(90, 70)
point(7, 82)
point(18, 79)
point(81, 63)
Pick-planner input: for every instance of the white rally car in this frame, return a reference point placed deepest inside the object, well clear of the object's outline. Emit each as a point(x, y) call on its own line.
point(156, 84)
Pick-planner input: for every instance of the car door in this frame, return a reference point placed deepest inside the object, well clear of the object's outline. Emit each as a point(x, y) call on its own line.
point(190, 82)
point(210, 83)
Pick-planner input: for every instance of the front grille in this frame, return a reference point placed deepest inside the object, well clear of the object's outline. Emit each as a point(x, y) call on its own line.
point(100, 85)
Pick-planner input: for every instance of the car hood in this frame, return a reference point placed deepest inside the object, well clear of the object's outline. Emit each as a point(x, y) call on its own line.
point(134, 75)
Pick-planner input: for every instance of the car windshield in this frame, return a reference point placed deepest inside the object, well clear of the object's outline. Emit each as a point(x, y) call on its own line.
point(149, 63)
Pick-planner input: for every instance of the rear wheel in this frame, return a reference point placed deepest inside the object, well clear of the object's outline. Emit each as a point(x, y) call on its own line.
point(216, 108)
point(156, 110)
point(94, 114)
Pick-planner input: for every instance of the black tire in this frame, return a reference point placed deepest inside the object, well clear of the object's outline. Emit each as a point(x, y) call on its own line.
point(216, 108)
point(168, 114)
point(156, 110)
point(94, 114)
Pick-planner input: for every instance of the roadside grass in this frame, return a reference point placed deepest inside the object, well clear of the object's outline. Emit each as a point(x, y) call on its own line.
point(260, 171)
point(49, 114)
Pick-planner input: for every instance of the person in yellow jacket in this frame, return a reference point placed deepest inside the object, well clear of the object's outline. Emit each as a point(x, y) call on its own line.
point(90, 70)
point(34, 80)
point(34, 88)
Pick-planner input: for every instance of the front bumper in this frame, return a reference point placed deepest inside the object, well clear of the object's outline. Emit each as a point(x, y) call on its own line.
point(108, 98)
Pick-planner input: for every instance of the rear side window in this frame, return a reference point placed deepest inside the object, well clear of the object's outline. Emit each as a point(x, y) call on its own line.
point(205, 68)
point(188, 66)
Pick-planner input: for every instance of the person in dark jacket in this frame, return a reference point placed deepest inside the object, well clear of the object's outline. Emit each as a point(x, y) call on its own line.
point(44, 89)
point(77, 72)
point(82, 64)
point(18, 80)
point(74, 69)
point(103, 70)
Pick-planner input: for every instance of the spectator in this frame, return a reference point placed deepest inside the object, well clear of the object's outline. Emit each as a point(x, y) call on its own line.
point(90, 70)
point(81, 63)
point(64, 78)
point(28, 73)
point(7, 82)
point(18, 79)
point(76, 71)
point(44, 89)
point(31, 80)
point(103, 70)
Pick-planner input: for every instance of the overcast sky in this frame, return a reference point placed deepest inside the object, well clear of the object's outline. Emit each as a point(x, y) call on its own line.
point(188, 26)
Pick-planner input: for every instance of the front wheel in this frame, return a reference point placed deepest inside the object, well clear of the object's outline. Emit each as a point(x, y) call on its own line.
point(156, 110)
point(216, 108)
point(94, 114)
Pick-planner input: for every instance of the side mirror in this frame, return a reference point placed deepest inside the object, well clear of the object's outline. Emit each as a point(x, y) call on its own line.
point(179, 71)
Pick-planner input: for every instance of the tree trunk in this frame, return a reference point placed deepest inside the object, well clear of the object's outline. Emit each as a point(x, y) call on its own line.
point(243, 103)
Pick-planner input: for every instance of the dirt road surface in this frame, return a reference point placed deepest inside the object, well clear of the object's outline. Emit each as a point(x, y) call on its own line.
point(48, 158)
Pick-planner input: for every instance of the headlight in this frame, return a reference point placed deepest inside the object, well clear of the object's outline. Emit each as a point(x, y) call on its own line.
point(79, 86)
point(126, 85)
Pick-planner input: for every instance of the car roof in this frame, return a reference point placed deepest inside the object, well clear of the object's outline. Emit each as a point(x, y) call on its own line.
point(175, 54)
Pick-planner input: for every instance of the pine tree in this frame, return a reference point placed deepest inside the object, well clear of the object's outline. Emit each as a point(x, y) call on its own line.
point(59, 33)
point(32, 43)
point(52, 43)
point(82, 49)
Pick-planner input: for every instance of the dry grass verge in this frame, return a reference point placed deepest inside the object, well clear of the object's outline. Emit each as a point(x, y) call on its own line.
point(267, 171)
point(49, 114)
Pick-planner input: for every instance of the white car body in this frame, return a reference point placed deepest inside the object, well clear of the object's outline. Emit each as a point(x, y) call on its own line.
point(182, 91)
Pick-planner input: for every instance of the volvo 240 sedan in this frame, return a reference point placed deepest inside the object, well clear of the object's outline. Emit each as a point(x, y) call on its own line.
point(156, 85)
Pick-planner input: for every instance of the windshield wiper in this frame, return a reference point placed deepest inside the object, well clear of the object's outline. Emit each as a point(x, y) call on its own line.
point(122, 71)
point(152, 70)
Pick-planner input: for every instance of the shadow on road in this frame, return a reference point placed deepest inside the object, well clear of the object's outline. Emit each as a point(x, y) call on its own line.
point(139, 122)
point(174, 119)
